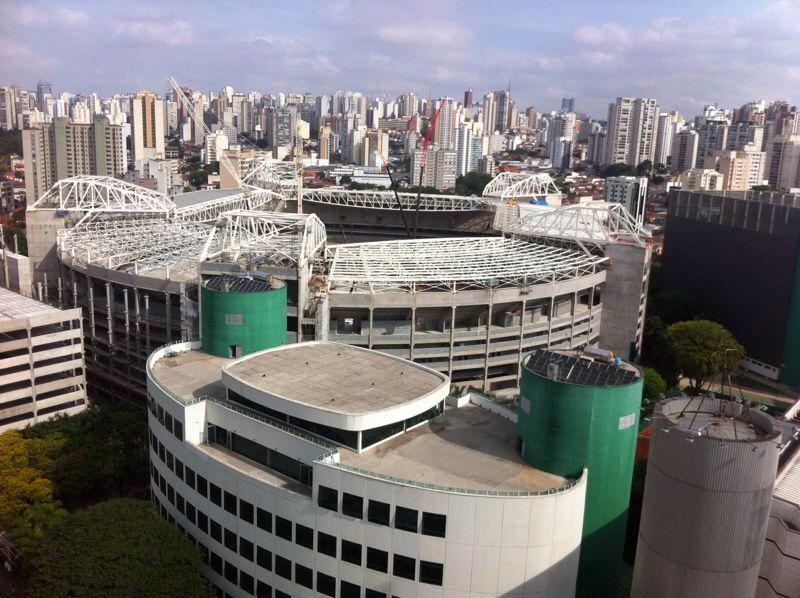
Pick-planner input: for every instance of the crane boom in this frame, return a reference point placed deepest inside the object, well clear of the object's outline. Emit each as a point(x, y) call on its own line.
point(224, 161)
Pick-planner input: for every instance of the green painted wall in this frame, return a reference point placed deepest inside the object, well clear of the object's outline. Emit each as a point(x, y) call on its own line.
point(790, 368)
point(263, 320)
point(569, 427)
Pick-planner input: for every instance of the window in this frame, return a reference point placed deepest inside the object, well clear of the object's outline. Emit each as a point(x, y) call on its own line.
point(283, 528)
point(246, 582)
point(180, 503)
point(230, 540)
point(378, 512)
point(246, 549)
point(264, 519)
point(216, 562)
point(326, 584)
point(351, 552)
point(216, 531)
point(171, 494)
point(263, 590)
point(231, 573)
point(353, 505)
point(203, 552)
point(216, 495)
point(162, 483)
point(170, 461)
point(304, 536)
point(234, 319)
point(404, 567)
point(431, 573)
point(161, 452)
point(328, 498)
point(178, 468)
point(264, 558)
point(374, 594)
point(434, 524)
point(230, 503)
point(279, 594)
point(378, 560)
point(283, 567)
point(326, 544)
point(202, 521)
point(188, 475)
point(190, 511)
point(168, 421)
point(202, 486)
point(178, 430)
point(406, 519)
point(246, 511)
point(349, 590)
point(303, 575)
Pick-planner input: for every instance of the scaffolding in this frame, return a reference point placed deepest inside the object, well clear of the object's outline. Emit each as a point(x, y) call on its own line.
point(386, 200)
point(453, 265)
point(522, 186)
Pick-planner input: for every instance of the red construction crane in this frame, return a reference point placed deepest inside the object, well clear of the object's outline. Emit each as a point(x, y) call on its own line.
point(423, 161)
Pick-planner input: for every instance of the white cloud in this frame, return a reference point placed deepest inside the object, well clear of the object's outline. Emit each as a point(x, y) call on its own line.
point(172, 33)
point(13, 51)
point(27, 15)
point(71, 17)
point(605, 34)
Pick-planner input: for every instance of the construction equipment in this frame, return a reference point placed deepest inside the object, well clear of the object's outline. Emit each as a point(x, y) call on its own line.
point(426, 142)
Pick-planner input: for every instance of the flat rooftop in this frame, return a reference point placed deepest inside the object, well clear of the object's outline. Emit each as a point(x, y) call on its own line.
point(714, 425)
point(335, 377)
point(193, 198)
point(191, 375)
point(577, 367)
point(14, 306)
point(468, 447)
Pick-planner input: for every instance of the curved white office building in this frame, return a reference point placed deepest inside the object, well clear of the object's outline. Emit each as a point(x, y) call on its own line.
point(324, 469)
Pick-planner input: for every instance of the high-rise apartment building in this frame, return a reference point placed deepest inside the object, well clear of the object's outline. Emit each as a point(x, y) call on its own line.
point(701, 179)
point(504, 108)
point(632, 128)
point(684, 150)
point(783, 161)
point(561, 153)
point(440, 168)
point(443, 132)
point(567, 104)
point(561, 126)
point(741, 170)
point(667, 125)
point(744, 133)
point(489, 114)
point(57, 150)
point(324, 143)
point(712, 137)
point(468, 98)
point(147, 127)
point(463, 149)
point(630, 191)
point(596, 148)
point(216, 143)
point(8, 108)
point(281, 127)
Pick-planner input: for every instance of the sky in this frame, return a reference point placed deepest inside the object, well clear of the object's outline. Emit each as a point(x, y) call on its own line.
point(684, 53)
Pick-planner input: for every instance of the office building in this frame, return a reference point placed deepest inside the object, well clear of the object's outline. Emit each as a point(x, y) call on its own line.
point(684, 150)
point(41, 361)
point(710, 477)
point(630, 191)
point(58, 150)
point(297, 485)
point(489, 114)
point(741, 170)
point(567, 104)
point(632, 128)
point(580, 410)
point(439, 168)
point(701, 179)
point(736, 255)
point(44, 91)
point(216, 143)
point(468, 98)
point(147, 127)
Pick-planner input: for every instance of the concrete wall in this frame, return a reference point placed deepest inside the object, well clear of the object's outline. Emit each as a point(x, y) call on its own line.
point(41, 229)
point(16, 273)
point(625, 299)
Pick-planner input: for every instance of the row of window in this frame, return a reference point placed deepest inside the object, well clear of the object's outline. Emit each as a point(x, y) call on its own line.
point(172, 425)
point(432, 524)
point(351, 552)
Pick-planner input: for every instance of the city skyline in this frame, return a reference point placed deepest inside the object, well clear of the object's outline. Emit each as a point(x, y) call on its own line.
point(591, 53)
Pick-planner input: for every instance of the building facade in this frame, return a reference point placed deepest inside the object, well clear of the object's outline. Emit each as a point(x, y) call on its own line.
point(147, 127)
point(632, 128)
point(630, 191)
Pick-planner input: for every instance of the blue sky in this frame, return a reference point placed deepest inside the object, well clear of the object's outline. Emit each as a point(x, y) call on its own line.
point(683, 53)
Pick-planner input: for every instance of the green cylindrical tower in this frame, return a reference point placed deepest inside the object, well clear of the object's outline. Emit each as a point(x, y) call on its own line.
point(578, 410)
point(242, 315)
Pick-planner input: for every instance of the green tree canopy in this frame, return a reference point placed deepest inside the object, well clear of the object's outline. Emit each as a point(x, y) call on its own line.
point(703, 350)
point(645, 168)
point(472, 183)
point(118, 548)
point(618, 169)
point(24, 467)
point(653, 389)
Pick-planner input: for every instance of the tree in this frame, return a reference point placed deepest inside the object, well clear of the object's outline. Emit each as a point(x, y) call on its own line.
point(24, 466)
point(618, 169)
point(472, 183)
point(645, 168)
point(703, 350)
point(117, 548)
point(653, 390)
point(674, 306)
point(345, 180)
point(34, 523)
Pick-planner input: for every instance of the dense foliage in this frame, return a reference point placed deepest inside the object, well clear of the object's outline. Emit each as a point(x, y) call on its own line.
point(472, 183)
point(117, 548)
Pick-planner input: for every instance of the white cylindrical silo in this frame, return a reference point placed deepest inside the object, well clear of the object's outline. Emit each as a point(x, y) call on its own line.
point(707, 497)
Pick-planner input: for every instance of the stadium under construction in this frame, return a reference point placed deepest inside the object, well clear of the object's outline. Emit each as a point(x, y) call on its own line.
point(467, 286)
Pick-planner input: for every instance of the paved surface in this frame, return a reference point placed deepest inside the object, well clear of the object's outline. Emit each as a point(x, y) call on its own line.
point(337, 377)
point(468, 447)
point(14, 306)
point(191, 374)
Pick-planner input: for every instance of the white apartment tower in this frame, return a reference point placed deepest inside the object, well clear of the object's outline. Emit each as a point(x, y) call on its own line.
point(632, 128)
